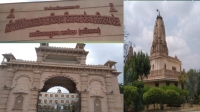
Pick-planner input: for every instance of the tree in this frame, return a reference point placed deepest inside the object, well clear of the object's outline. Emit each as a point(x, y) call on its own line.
point(172, 97)
point(138, 101)
point(154, 95)
point(127, 44)
point(192, 83)
point(182, 78)
point(142, 65)
point(130, 93)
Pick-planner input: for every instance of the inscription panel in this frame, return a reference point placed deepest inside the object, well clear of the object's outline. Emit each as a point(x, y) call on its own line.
point(82, 20)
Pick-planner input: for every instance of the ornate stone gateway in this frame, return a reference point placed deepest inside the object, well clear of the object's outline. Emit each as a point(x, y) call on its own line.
point(22, 82)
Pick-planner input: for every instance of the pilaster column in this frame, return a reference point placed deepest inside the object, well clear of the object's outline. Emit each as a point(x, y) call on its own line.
point(109, 92)
point(35, 91)
point(84, 93)
point(6, 90)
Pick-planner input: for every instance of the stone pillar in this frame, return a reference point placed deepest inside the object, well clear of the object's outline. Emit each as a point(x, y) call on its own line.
point(82, 60)
point(35, 91)
point(84, 93)
point(6, 90)
point(109, 92)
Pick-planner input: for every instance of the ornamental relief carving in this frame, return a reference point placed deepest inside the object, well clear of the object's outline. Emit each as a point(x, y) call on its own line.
point(96, 87)
point(18, 102)
point(24, 80)
point(77, 81)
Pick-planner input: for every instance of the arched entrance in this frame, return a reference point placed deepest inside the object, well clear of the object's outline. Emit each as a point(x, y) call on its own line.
point(58, 101)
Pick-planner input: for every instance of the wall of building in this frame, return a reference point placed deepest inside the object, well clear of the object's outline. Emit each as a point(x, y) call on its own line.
point(159, 63)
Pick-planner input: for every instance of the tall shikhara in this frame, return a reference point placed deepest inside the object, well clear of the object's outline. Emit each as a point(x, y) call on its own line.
point(159, 45)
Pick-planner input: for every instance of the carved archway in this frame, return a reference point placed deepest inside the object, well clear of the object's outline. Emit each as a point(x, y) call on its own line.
point(61, 75)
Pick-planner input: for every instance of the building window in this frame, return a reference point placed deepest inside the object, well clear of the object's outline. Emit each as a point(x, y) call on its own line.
point(165, 66)
point(40, 94)
point(45, 101)
point(174, 68)
point(18, 102)
point(67, 101)
point(176, 84)
point(50, 101)
point(44, 106)
point(182, 86)
point(56, 101)
point(77, 96)
point(72, 96)
point(67, 96)
point(167, 83)
point(56, 95)
point(62, 101)
point(39, 106)
point(97, 105)
point(46, 95)
point(72, 102)
point(157, 84)
point(62, 96)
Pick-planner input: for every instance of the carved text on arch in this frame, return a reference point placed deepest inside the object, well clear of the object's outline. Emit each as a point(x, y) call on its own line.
point(112, 8)
point(11, 15)
point(61, 19)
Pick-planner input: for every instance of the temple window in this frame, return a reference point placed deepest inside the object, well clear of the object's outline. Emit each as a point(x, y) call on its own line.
point(167, 83)
point(174, 68)
point(157, 84)
point(165, 66)
point(176, 84)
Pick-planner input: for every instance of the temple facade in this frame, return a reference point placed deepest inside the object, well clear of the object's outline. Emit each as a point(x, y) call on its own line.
point(94, 87)
point(164, 68)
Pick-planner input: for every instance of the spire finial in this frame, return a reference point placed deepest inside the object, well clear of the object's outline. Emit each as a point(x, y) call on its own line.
point(158, 12)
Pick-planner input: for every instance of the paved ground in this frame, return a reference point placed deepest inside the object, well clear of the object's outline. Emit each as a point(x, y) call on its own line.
point(187, 108)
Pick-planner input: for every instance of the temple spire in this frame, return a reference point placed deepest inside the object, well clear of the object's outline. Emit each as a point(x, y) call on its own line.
point(159, 45)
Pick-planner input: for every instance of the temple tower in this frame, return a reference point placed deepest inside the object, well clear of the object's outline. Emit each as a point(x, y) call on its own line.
point(164, 68)
point(159, 45)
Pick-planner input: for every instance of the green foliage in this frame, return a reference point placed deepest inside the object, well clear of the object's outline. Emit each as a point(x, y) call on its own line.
point(136, 67)
point(146, 88)
point(154, 95)
point(130, 93)
point(192, 83)
point(142, 63)
point(182, 77)
point(138, 101)
point(121, 88)
point(172, 97)
point(172, 87)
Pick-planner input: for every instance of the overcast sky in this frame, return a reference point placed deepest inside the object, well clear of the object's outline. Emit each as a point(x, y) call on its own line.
point(98, 53)
point(182, 27)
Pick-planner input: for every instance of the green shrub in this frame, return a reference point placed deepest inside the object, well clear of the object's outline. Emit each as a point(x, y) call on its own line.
point(146, 88)
point(154, 95)
point(130, 93)
point(138, 101)
point(173, 98)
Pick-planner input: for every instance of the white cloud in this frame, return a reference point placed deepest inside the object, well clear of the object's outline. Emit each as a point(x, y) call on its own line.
point(177, 46)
